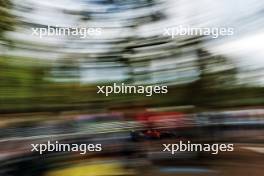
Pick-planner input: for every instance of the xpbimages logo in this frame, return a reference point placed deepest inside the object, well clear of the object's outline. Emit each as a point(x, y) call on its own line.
point(190, 147)
point(132, 89)
point(214, 32)
point(59, 147)
point(81, 32)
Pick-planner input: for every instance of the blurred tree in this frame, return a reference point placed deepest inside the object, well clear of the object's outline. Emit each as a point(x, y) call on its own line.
point(7, 19)
point(216, 74)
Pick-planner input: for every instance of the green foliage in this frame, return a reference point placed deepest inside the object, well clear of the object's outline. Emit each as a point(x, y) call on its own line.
point(7, 20)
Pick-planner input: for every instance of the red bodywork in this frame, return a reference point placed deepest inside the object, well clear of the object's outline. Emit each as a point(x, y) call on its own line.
point(154, 120)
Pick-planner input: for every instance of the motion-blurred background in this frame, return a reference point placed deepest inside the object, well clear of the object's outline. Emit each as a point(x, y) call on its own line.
point(48, 87)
